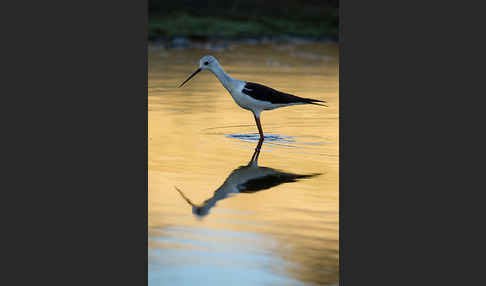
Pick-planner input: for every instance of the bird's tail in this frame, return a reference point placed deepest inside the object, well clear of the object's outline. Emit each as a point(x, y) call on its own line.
point(314, 101)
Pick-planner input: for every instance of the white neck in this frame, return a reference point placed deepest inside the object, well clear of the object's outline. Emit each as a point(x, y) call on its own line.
point(223, 77)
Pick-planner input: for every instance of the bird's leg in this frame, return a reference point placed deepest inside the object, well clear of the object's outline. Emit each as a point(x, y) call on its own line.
point(259, 145)
point(257, 151)
point(259, 125)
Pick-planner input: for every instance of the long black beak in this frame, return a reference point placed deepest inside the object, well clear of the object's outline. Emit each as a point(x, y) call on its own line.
point(198, 70)
point(187, 200)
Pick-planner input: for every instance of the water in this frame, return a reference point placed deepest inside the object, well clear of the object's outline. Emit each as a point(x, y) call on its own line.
point(209, 225)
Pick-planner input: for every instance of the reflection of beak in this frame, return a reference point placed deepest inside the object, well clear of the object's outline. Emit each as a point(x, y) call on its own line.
point(198, 70)
point(182, 194)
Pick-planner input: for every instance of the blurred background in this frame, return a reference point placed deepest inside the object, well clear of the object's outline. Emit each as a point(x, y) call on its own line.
point(241, 19)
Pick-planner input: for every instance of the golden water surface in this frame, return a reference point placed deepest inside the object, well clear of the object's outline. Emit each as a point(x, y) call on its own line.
point(281, 232)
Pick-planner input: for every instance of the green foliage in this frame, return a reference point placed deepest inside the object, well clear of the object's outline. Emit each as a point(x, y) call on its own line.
point(184, 24)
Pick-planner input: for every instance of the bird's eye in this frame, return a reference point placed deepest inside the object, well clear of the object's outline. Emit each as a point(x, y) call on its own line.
point(206, 63)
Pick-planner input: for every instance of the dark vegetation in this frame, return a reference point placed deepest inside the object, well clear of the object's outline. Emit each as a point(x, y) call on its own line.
point(239, 19)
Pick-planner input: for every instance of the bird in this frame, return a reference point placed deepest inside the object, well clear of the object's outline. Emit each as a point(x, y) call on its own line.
point(246, 179)
point(249, 95)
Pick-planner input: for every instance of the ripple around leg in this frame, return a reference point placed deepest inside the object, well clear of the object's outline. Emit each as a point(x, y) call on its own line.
point(271, 140)
point(268, 138)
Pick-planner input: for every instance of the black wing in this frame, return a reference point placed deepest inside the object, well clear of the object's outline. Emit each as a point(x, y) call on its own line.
point(265, 93)
point(271, 180)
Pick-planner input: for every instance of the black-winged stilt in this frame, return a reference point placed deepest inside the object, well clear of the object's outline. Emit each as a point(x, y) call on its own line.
point(248, 95)
point(246, 179)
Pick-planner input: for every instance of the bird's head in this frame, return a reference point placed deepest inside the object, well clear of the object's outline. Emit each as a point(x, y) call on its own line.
point(205, 63)
point(208, 62)
point(199, 210)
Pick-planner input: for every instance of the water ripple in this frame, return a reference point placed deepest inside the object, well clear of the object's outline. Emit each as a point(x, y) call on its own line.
point(268, 137)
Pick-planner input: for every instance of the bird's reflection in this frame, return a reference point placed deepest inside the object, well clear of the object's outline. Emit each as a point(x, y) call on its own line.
point(246, 179)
